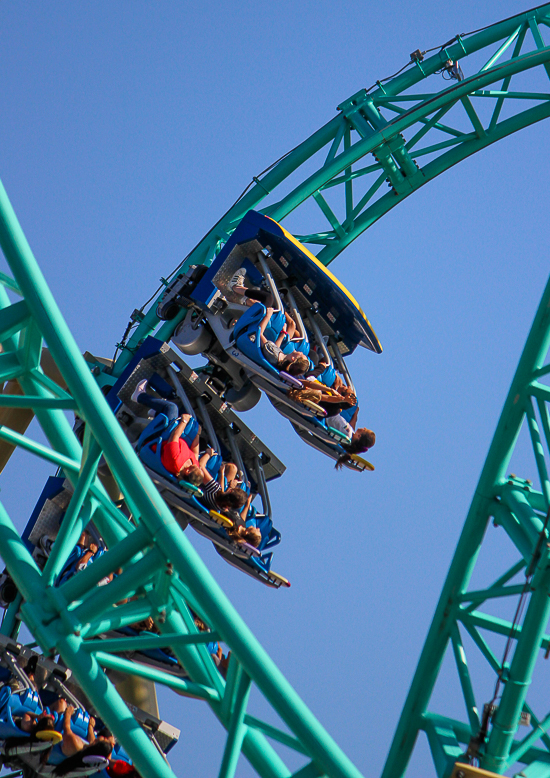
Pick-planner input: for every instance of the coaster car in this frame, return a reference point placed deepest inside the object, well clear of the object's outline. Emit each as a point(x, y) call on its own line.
point(22, 750)
point(220, 324)
point(222, 429)
point(154, 657)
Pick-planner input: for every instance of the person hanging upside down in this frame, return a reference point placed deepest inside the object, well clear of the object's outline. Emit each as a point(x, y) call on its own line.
point(176, 455)
point(294, 364)
point(233, 502)
point(361, 441)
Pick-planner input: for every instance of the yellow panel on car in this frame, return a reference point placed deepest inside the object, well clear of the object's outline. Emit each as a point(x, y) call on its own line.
point(279, 578)
point(49, 736)
point(362, 463)
point(314, 407)
point(221, 519)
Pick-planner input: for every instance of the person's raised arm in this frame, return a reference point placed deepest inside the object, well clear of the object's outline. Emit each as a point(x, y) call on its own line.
point(263, 325)
point(179, 430)
point(203, 461)
point(246, 506)
point(208, 454)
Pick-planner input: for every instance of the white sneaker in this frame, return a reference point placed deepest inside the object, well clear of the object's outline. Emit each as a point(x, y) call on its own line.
point(238, 278)
point(45, 543)
point(140, 388)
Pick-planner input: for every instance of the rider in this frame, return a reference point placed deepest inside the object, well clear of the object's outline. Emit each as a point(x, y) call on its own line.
point(179, 458)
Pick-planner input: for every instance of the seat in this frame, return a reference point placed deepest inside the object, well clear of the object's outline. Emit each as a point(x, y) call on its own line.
point(288, 346)
point(213, 465)
point(73, 561)
point(328, 376)
point(275, 326)
point(14, 705)
point(347, 413)
point(246, 335)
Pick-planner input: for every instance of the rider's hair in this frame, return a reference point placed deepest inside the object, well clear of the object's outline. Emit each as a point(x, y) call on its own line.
point(361, 441)
point(299, 395)
point(233, 498)
point(253, 536)
point(192, 476)
point(296, 366)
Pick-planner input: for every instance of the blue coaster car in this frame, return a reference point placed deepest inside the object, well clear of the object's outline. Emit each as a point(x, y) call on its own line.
point(205, 522)
point(222, 430)
point(275, 261)
point(14, 742)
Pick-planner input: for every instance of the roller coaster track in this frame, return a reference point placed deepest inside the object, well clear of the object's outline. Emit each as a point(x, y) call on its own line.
point(162, 576)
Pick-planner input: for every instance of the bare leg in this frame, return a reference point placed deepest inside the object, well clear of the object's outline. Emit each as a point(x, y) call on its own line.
point(230, 471)
point(71, 743)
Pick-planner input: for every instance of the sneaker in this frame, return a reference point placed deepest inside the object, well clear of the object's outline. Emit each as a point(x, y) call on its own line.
point(238, 278)
point(140, 388)
point(45, 544)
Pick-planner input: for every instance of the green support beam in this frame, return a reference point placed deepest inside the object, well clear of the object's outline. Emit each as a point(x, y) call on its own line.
point(410, 135)
point(396, 126)
point(519, 504)
point(160, 567)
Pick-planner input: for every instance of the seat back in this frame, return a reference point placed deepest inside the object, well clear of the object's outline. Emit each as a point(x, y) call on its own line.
point(156, 430)
point(347, 413)
point(79, 722)
point(213, 465)
point(247, 337)
point(74, 560)
point(250, 320)
point(275, 326)
point(15, 705)
point(303, 346)
point(328, 376)
point(25, 702)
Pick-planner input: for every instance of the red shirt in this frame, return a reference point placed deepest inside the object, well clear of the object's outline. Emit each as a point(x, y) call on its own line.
point(174, 455)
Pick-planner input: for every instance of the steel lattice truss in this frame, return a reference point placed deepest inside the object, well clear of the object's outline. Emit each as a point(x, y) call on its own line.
point(161, 576)
point(408, 130)
point(517, 507)
point(411, 134)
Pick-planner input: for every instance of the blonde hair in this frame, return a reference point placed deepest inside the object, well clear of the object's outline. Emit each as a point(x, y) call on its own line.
point(192, 476)
point(299, 395)
point(296, 366)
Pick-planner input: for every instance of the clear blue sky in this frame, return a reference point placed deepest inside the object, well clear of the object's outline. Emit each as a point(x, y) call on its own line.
point(127, 130)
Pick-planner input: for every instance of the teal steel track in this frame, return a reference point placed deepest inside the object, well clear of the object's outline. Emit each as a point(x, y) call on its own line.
point(402, 130)
point(387, 142)
point(160, 568)
point(521, 510)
